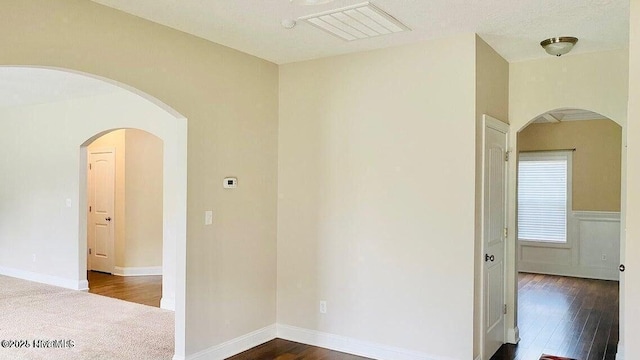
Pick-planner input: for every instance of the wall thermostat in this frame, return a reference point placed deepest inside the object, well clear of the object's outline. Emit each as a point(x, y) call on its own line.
point(230, 183)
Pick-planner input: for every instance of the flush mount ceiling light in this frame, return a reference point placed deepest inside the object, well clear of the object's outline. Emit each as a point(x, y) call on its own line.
point(288, 23)
point(355, 22)
point(559, 45)
point(310, 2)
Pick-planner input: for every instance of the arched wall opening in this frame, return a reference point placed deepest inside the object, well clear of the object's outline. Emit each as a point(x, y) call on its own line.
point(590, 147)
point(597, 82)
point(536, 112)
point(605, 83)
point(125, 214)
point(47, 147)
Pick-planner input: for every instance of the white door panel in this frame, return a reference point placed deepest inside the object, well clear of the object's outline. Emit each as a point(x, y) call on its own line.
point(101, 210)
point(494, 206)
point(494, 281)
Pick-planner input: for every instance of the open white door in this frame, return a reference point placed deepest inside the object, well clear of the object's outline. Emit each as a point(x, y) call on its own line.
point(494, 232)
point(101, 232)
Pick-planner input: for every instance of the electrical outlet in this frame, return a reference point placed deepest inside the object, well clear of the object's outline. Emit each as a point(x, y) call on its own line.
point(323, 307)
point(604, 257)
point(33, 257)
point(208, 217)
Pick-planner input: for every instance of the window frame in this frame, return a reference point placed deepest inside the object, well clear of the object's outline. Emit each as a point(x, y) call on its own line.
point(549, 155)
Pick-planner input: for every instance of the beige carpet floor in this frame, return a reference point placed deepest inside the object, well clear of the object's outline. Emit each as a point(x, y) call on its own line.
point(98, 327)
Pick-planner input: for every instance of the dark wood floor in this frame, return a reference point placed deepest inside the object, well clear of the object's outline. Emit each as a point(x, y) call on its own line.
point(279, 349)
point(562, 316)
point(572, 317)
point(145, 290)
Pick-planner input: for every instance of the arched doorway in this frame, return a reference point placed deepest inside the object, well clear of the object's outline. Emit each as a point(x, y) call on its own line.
point(576, 82)
point(55, 138)
point(125, 216)
point(568, 174)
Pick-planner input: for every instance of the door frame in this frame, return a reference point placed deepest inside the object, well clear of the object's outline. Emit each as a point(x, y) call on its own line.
point(488, 121)
point(112, 224)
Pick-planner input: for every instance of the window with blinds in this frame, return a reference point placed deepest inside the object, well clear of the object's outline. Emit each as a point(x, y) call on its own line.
point(544, 188)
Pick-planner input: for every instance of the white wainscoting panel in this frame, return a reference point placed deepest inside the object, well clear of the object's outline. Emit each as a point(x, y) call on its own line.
point(592, 249)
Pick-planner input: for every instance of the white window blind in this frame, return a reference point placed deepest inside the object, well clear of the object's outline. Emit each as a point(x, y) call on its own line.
point(543, 193)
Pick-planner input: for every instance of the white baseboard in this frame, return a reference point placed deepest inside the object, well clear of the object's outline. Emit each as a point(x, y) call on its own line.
point(168, 303)
point(348, 345)
point(45, 279)
point(83, 285)
point(620, 353)
point(137, 271)
point(309, 337)
point(513, 335)
point(235, 346)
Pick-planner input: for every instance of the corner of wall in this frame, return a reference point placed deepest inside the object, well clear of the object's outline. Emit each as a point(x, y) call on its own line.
point(491, 98)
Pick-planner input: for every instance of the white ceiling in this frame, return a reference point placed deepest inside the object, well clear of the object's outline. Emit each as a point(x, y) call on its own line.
point(514, 28)
point(29, 86)
point(559, 115)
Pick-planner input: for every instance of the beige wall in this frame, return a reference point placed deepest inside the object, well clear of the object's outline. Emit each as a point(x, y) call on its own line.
point(596, 161)
point(492, 98)
point(143, 187)
point(592, 81)
point(231, 102)
point(375, 202)
point(116, 140)
point(630, 323)
point(492, 83)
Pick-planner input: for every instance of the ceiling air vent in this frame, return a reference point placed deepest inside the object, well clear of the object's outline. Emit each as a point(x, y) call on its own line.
point(355, 22)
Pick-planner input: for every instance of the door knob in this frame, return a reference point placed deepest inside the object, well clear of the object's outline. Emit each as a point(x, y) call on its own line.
point(621, 267)
point(108, 219)
point(489, 258)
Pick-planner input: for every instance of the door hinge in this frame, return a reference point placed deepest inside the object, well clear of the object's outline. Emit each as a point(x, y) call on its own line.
point(506, 156)
point(89, 166)
point(89, 251)
point(506, 232)
point(504, 309)
point(89, 208)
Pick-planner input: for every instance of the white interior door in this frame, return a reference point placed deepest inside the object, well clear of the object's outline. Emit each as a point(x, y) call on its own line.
point(494, 231)
point(101, 230)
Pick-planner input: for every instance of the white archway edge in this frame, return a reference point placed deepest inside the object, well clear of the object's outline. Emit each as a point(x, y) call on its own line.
point(121, 86)
point(57, 134)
